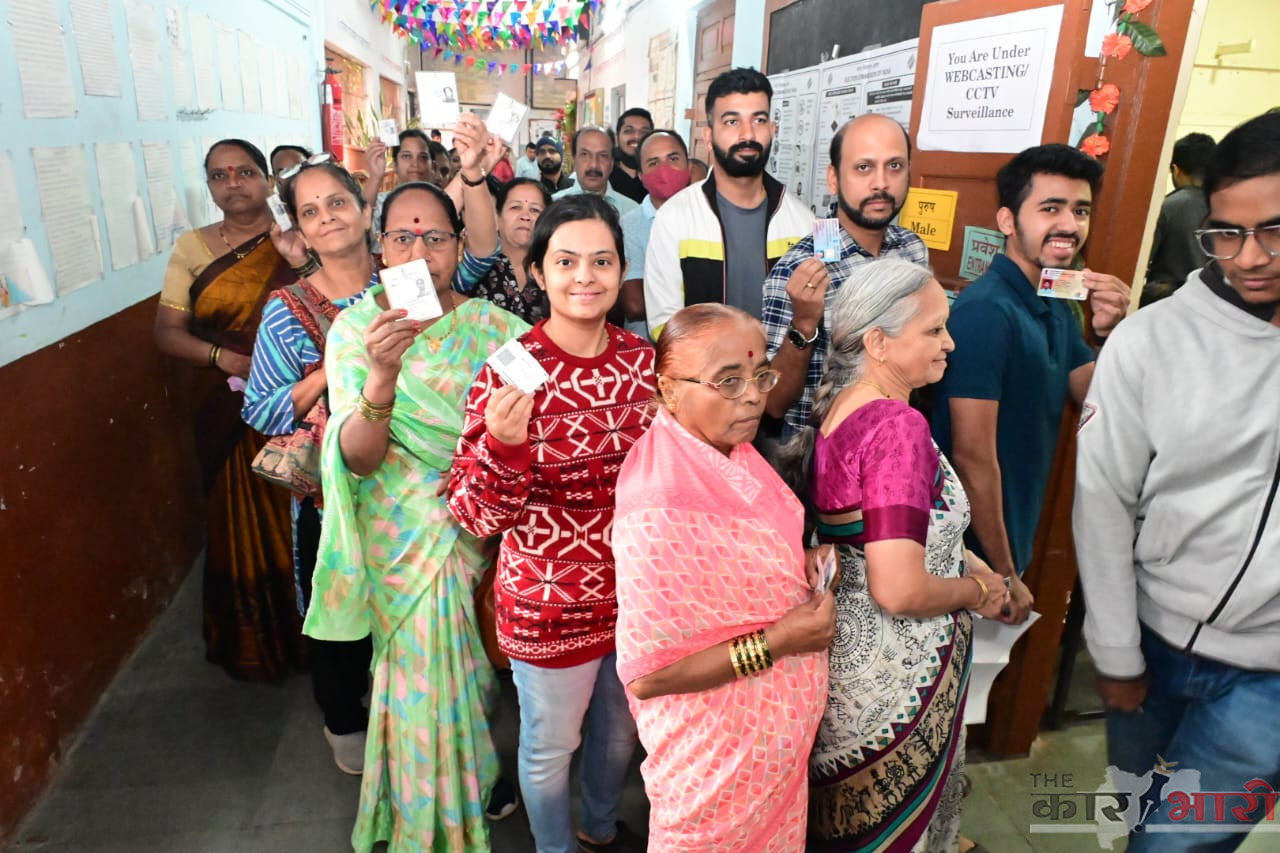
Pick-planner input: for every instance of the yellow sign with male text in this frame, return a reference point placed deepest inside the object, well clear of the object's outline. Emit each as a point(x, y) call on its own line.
point(931, 214)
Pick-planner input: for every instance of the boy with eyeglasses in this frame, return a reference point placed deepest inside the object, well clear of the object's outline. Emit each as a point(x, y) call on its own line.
point(1177, 524)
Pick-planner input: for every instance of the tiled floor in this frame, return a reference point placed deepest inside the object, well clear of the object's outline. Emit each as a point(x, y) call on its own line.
point(178, 757)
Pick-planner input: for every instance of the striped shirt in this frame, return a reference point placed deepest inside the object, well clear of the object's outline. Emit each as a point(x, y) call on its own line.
point(899, 243)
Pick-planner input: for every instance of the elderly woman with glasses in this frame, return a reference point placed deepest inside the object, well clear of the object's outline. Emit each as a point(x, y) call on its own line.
point(722, 626)
point(392, 561)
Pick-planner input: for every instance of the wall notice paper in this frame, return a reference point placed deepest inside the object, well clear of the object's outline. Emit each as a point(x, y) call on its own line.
point(118, 185)
point(992, 642)
point(250, 73)
point(157, 160)
point(981, 245)
point(202, 60)
point(505, 118)
point(437, 98)
point(11, 228)
point(62, 176)
point(816, 101)
point(144, 57)
point(989, 82)
point(179, 61)
point(269, 70)
point(43, 65)
point(23, 279)
point(96, 47)
point(795, 111)
point(931, 214)
point(229, 69)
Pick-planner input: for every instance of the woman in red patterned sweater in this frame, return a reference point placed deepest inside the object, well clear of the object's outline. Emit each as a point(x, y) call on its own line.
point(542, 469)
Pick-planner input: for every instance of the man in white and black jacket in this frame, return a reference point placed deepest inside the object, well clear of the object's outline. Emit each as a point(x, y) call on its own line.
point(1177, 517)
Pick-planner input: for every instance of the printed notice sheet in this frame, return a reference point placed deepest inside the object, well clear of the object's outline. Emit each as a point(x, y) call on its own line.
point(165, 211)
point(144, 57)
point(43, 64)
point(179, 60)
point(118, 185)
point(229, 70)
point(96, 47)
point(62, 175)
point(250, 72)
point(202, 60)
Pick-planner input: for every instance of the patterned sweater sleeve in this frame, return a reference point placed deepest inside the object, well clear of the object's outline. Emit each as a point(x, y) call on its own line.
point(490, 481)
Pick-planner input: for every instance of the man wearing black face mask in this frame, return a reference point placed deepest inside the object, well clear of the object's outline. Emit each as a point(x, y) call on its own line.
point(716, 242)
point(550, 157)
point(633, 125)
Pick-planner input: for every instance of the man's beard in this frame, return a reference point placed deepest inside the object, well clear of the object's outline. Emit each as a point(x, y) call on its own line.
point(628, 160)
point(549, 167)
point(860, 219)
point(735, 168)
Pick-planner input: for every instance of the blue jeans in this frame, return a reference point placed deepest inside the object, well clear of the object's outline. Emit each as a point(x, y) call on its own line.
point(1206, 716)
point(553, 703)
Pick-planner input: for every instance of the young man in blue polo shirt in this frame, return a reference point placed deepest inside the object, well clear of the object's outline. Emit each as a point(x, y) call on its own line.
point(999, 405)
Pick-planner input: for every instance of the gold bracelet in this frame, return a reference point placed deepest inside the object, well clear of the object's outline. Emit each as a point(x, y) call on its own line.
point(735, 659)
point(764, 647)
point(374, 412)
point(982, 586)
point(757, 657)
point(214, 352)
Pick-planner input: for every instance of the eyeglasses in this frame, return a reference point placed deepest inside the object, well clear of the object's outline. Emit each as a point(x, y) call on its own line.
point(434, 239)
point(1223, 244)
point(313, 160)
point(733, 387)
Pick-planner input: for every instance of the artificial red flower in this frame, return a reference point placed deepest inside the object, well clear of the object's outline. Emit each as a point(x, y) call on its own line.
point(1116, 45)
point(1133, 7)
point(1095, 145)
point(1104, 99)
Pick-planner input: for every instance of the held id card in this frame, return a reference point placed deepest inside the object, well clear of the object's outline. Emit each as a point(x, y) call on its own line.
point(279, 212)
point(1063, 284)
point(826, 239)
point(387, 132)
point(409, 288)
point(826, 571)
point(517, 367)
point(505, 118)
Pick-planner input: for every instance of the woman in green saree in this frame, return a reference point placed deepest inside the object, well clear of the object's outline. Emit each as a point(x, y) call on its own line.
point(392, 559)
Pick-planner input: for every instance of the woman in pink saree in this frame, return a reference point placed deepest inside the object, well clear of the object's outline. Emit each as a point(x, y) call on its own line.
point(721, 636)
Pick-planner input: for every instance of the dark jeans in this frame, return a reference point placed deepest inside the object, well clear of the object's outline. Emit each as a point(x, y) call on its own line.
point(1216, 722)
point(339, 670)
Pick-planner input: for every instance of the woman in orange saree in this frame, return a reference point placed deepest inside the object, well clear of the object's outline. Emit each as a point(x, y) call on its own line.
point(708, 544)
point(216, 283)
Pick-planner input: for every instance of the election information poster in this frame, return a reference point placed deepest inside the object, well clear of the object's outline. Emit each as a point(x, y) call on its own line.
point(795, 111)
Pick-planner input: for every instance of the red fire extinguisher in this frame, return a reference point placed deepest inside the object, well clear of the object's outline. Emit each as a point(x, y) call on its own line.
point(331, 114)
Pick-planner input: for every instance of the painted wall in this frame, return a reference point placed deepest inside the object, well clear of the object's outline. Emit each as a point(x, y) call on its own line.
point(1225, 91)
point(353, 28)
point(100, 507)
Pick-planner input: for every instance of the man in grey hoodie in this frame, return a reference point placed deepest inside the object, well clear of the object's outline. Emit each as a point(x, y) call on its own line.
point(1176, 520)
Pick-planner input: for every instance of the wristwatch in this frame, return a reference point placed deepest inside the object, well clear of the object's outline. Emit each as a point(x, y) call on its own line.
point(798, 339)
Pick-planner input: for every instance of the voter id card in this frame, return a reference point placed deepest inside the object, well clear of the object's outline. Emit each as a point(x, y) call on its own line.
point(517, 367)
point(505, 118)
point(826, 239)
point(409, 288)
point(387, 132)
point(1063, 284)
point(826, 571)
point(279, 212)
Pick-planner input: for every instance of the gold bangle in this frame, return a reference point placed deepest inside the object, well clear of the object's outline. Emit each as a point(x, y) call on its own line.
point(735, 660)
point(374, 412)
point(764, 647)
point(214, 352)
point(982, 586)
point(757, 657)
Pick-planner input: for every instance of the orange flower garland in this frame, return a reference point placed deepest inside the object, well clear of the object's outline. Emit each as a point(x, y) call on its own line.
point(1129, 35)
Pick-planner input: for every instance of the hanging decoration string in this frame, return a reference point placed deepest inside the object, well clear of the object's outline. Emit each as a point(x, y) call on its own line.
point(488, 25)
point(1128, 35)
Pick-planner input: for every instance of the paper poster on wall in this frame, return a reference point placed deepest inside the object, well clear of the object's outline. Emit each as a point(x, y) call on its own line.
point(165, 211)
point(144, 58)
point(229, 69)
point(931, 214)
point(250, 73)
point(184, 94)
point(43, 65)
point(876, 81)
point(988, 84)
point(795, 112)
point(95, 46)
point(201, 33)
point(11, 227)
point(437, 98)
point(118, 185)
point(62, 175)
point(981, 245)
